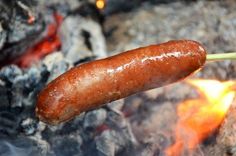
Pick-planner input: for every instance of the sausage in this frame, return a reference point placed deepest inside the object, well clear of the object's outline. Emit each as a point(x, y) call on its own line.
point(96, 83)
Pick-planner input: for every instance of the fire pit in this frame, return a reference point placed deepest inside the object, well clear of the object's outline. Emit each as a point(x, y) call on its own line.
point(40, 40)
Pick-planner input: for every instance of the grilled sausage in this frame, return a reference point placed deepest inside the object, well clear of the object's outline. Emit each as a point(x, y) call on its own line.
point(96, 83)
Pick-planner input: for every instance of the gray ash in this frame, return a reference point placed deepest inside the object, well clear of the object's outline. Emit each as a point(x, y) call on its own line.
point(139, 125)
point(15, 28)
point(93, 132)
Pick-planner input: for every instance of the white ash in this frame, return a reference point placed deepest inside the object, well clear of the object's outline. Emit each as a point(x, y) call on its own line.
point(211, 23)
point(111, 142)
point(16, 20)
point(3, 36)
point(29, 126)
point(118, 123)
point(9, 73)
point(52, 59)
point(105, 145)
point(22, 84)
point(43, 146)
point(56, 64)
point(15, 30)
point(116, 106)
point(82, 38)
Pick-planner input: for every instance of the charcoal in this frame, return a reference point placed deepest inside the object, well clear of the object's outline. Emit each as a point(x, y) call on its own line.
point(82, 38)
point(34, 84)
point(3, 36)
point(20, 88)
point(9, 122)
point(23, 85)
point(105, 144)
point(70, 127)
point(95, 125)
point(33, 79)
point(94, 118)
point(58, 69)
point(150, 149)
point(28, 126)
point(123, 135)
point(67, 146)
point(217, 70)
point(111, 143)
point(20, 146)
point(4, 96)
point(116, 106)
point(139, 125)
point(114, 7)
point(68, 5)
point(84, 8)
point(17, 91)
point(163, 26)
point(154, 145)
point(226, 139)
point(19, 31)
point(9, 73)
point(56, 64)
point(187, 92)
point(153, 112)
point(16, 31)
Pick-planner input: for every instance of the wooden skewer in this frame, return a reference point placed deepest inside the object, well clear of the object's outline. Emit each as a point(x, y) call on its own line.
point(221, 56)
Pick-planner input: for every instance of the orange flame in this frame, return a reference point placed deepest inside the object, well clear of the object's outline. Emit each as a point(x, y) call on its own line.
point(198, 118)
point(100, 4)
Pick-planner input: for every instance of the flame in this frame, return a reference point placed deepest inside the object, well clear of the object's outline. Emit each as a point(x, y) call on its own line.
point(199, 118)
point(100, 4)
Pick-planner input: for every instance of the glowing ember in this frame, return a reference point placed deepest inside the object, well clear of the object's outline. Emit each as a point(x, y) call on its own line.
point(48, 44)
point(31, 19)
point(198, 118)
point(100, 4)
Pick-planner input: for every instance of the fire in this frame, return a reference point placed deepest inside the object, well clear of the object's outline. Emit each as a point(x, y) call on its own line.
point(47, 45)
point(199, 118)
point(100, 4)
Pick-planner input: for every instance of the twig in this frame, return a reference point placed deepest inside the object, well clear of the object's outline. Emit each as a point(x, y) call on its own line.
point(221, 57)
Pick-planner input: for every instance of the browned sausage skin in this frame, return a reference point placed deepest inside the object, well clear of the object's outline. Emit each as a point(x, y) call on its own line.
point(93, 84)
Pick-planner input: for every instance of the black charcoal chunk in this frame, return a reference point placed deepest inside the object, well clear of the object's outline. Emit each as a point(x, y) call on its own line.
point(9, 122)
point(4, 96)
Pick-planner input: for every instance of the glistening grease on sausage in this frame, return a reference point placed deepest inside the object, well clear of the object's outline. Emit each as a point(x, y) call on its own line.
point(93, 84)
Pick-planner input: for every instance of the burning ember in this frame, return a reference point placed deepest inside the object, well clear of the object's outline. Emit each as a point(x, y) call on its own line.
point(198, 118)
point(40, 40)
point(47, 45)
point(100, 4)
